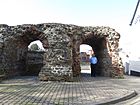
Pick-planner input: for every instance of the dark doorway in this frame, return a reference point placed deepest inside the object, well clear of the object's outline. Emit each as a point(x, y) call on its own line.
point(34, 59)
point(99, 47)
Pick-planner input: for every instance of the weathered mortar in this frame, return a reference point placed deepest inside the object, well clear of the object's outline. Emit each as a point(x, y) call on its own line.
point(61, 58)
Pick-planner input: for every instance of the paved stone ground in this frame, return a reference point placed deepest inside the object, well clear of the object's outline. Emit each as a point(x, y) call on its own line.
point(85, 90)
point(130, 82)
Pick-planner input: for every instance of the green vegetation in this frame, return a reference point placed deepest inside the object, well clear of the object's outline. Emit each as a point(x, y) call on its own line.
point(34, 47)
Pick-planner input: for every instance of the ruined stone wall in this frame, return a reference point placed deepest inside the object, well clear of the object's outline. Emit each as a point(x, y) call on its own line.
point(9, 50)
point(61, 42)
point(58, 55)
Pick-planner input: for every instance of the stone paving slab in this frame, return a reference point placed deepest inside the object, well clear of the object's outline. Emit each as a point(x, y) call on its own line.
point(85, 90)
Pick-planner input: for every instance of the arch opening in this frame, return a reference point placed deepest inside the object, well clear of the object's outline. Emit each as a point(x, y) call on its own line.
point(85, 54)
point(29, 62)
point(99, 46)
point(34, 58)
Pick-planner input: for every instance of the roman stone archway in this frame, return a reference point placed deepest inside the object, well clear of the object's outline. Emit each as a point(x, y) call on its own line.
point(104, 41)
point(15, 47)
point(61, 60)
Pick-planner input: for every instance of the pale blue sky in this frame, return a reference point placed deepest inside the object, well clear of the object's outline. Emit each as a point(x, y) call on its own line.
point(114, 13)
point(79, 12)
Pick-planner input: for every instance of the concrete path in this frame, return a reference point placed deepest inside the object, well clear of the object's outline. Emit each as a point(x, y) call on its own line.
point(133, 83)
point(85, 90)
